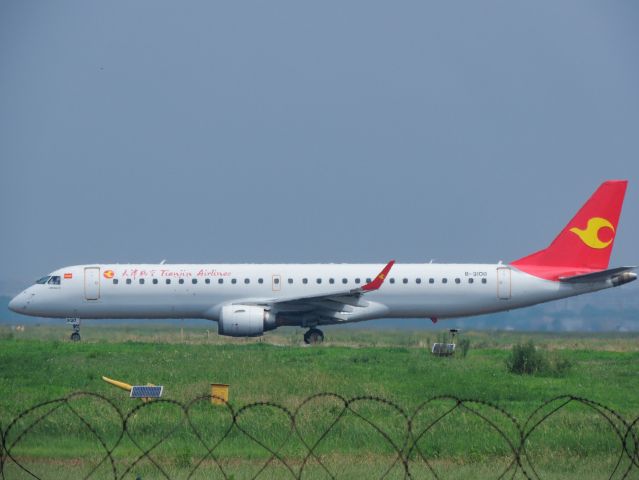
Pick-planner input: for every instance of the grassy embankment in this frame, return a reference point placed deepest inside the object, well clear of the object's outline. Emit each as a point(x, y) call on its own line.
point(575, 443)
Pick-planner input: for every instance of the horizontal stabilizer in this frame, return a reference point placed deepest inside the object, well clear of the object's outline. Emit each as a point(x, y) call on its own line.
point(622, 273)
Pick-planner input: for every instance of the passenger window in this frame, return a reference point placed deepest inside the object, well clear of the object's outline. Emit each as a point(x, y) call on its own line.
point(247, 281)
point(319, 280)
point(344, 280)
point(470, 280)
point(141, 281)
point(115, 281)
point(181, 281)
point(392, 280)
point(331, 281)
point(207, 280)
point(444, 280)
point(305, 281)
point(431, 280)
point(290, 280)
point(55, 280)
point(234, 281)
point(483, 280)
point(43, 280)
point(155, 281)
point(260, 280)
point(276, 280)
point(418, 280)
point(128, 281)
point(405, 280)
point(368, 280)
point(194, 281)
point(168, 281)
point(457, 280)
point(357, 280)
point(220, 281)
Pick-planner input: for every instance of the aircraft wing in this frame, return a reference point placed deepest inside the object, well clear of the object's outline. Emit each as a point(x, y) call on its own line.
point(334, 305)
point(600, 276)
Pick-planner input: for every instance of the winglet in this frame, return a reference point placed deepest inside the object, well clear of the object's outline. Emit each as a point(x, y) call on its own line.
point(379, 279)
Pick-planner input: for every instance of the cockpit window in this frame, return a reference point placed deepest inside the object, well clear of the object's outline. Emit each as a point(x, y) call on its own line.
point(54, 280)
point(43, 280)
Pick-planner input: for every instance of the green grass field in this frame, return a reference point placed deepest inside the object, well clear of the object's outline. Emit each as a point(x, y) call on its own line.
point(39, 364)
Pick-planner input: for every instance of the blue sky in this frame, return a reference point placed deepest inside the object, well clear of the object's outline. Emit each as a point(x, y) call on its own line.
point(310, 131)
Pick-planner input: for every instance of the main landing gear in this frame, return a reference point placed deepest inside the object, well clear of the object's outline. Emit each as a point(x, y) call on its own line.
point(75, 324)
point(313, 336)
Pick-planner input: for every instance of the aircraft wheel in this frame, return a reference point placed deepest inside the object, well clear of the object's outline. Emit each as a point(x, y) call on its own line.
point(75, 337)
point(314, 336)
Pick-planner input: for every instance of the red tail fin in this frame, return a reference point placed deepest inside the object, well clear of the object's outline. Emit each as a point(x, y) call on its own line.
point(585, 244)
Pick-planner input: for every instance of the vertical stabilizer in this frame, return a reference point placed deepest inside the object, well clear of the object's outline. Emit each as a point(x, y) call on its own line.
point(586, 242)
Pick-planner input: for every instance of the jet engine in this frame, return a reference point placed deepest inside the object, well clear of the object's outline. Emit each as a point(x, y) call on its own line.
point(245, 321)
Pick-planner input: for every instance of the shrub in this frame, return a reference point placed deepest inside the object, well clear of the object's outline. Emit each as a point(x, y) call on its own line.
point(464, 346)
point(526, 359)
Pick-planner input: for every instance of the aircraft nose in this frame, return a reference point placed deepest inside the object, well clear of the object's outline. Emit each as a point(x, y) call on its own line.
point(18, 303)
point(13, 304)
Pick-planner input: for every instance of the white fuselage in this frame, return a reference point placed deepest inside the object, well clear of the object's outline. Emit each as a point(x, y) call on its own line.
point(200, 291)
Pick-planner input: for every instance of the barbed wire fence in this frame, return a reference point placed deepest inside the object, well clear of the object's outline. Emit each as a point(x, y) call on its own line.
point(325, 436)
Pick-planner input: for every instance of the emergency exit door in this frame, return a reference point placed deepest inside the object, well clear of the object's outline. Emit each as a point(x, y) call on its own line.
point(92, 283)
point(503, 283)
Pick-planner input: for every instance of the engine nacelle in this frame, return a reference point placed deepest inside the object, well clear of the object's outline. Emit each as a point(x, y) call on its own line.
point(245, 321)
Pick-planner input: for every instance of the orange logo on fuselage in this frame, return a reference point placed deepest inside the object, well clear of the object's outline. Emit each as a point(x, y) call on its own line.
point(108, 274)
point(590, 235)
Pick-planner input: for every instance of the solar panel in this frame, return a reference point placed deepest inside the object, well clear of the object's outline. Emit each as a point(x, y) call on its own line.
point(145, 391)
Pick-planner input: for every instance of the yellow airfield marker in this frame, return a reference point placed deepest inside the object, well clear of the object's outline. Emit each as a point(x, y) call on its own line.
point(219, 393)
point(117, 383)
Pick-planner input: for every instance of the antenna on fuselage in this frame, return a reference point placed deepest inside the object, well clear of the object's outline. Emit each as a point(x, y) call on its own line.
point(163, 262)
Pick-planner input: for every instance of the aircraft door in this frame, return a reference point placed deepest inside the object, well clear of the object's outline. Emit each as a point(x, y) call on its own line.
point(277, 283)
point(92, 283)
point(503, 283)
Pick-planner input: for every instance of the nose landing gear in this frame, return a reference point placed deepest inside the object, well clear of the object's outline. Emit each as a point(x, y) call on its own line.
point(313, 336)
point(75, 324)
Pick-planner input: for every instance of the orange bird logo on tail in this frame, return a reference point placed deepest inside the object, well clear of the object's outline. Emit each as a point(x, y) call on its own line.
point(590, 235)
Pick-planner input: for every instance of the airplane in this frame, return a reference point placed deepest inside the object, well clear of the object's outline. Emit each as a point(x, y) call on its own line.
point(247, 300)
